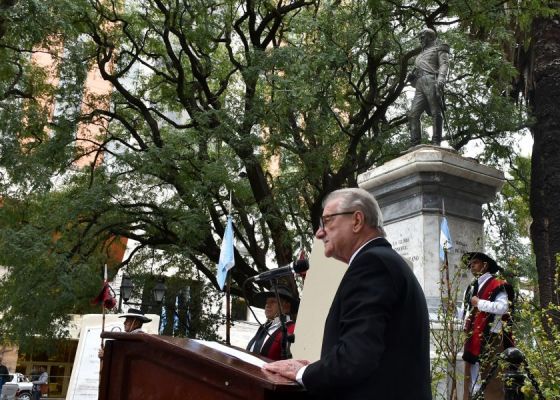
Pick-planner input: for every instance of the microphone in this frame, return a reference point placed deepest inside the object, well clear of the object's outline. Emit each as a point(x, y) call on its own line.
point(296, 267)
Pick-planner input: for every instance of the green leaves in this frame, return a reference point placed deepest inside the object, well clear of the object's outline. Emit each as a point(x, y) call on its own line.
point(303, 96)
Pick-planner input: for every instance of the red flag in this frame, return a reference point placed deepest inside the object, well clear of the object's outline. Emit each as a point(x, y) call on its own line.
point(302, 257)
point(106, 296)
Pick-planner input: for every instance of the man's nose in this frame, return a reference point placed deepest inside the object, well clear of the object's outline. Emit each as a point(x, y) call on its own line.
point(320, 233)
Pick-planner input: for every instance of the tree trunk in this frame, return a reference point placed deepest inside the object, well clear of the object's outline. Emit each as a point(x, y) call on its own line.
point(544, 100)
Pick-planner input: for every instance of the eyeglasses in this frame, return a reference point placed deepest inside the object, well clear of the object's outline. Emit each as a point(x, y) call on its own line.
point(326, 218)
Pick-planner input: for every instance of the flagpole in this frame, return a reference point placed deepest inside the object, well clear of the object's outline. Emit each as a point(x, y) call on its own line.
point(450, 310)
point(226, 261)
point(451, 327)
point(228, 292)
point(102, 345)
point(103, 304)
point(102, 324)
point(228, 310)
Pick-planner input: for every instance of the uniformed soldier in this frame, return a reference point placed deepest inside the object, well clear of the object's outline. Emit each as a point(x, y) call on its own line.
point(428, 77)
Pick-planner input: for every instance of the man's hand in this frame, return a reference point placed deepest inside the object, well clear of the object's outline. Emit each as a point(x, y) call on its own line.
point(100, 353)
point(286, 368)
point(439, 88)
point(474, 301)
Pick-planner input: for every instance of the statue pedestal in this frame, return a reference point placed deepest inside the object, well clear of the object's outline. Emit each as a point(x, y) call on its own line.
point(415, 190)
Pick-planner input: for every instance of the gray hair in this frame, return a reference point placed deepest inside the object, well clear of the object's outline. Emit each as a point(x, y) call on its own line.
point(358, 199)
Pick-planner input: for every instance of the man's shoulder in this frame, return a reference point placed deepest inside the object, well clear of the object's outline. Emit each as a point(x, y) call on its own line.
point(494, 282)
point(497, 284)
point(380, 246)
point(380, 253)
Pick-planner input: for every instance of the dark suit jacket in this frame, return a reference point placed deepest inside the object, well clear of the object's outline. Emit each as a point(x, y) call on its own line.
point(376, 337)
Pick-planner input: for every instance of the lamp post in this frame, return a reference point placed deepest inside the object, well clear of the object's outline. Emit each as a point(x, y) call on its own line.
point(158, 292)
point(126, 288)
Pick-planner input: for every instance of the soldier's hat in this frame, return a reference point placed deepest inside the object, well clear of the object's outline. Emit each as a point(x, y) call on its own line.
point(493, 266)
point(136, 314)
point(259, 300)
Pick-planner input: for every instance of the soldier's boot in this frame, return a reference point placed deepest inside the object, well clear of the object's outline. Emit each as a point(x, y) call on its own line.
point(415, 137)
point(437, 129)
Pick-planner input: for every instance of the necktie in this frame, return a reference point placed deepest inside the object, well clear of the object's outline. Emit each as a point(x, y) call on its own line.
point(472, 291)
point(475, 288)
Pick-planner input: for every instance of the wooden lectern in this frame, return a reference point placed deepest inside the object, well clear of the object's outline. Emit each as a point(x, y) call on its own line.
point(148, 367)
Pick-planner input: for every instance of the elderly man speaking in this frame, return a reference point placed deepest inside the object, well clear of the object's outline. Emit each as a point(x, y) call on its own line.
point(376, 336)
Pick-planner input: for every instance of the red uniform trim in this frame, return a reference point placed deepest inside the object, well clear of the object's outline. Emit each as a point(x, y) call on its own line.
point(478, 322)
point(273, 345)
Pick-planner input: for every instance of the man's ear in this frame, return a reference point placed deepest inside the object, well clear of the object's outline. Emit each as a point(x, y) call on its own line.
point(485, 268)
point(358, 221)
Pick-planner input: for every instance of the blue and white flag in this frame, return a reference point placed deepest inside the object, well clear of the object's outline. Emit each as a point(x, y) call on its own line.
point(444, 238)
point(227, 260)
point(176, 317)
point(163, 320)
point(187, 321)
point(187, 310)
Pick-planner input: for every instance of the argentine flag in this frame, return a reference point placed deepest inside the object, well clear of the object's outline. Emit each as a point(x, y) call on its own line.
point(163, 320)
point(444, 239)
point(227, 260)
point(176, 317)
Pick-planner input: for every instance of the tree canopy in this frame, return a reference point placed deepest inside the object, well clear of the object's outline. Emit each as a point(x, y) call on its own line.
point(300, 95)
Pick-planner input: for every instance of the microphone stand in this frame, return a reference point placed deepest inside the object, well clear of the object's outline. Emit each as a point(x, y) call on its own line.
point(286, 338)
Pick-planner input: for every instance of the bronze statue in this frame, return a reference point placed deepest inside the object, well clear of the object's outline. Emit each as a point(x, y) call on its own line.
point(428, 77)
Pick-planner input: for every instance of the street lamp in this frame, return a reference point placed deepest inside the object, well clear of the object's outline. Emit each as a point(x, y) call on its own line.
point(126, 292)
point(159, 291)
point(126, 288)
